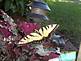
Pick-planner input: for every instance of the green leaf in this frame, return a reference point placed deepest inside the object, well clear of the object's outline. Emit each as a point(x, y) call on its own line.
point(22, 7)
point(7, 4)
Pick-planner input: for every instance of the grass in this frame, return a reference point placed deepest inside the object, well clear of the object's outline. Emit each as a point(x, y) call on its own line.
point(68, 16)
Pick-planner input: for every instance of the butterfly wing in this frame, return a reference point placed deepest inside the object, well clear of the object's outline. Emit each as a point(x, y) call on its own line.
point(48, 29)
point(25, 40)
point(51, 28)
point(45, 32)
point(35, 36)
point(39, 35)
point(30, 38)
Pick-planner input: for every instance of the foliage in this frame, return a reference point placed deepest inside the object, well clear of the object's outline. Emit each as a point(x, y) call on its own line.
point(15, 6)
point(68, 16)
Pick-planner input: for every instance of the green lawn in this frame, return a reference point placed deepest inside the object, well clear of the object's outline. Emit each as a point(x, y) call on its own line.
point(68, 16)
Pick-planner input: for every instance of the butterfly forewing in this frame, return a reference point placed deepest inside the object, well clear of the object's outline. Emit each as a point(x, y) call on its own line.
point(45, 32)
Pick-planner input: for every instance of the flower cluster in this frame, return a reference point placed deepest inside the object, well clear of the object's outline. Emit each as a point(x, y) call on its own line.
point(11, 34)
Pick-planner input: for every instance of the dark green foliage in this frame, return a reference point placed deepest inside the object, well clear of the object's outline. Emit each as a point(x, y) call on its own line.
point(15, 6)
point(68, 16)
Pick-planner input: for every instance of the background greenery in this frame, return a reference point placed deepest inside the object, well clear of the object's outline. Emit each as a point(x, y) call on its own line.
point(12, 7)
point(68, 16)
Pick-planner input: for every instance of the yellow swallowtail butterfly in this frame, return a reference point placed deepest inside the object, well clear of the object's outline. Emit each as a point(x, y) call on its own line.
point(39, 34)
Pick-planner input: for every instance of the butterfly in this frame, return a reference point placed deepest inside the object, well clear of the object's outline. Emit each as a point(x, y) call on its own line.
point(39, 34)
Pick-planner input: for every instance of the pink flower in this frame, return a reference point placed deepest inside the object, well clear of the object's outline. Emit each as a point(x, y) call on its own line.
point(53, 55)
point(27, 28)
point(6, 33)
point(45, 58)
